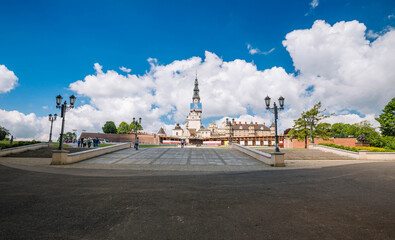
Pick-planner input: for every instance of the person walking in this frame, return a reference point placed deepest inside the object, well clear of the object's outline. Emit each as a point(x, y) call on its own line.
point(136, 144)
point(182, 143)
point(12, 139)
point(89, 143)
point(79, 143)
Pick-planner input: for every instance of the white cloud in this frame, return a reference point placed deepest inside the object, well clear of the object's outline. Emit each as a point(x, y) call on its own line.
point(253, 51)
point(391, 16)
point(345, 71)
point(314, 3)
point(8, 80)
point(45, 107)
point(372, 35)
point(126, 70)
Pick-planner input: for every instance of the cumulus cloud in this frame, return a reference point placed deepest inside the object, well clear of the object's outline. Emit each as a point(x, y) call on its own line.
point(8, 80)
point(343, 67)
point(337, 64)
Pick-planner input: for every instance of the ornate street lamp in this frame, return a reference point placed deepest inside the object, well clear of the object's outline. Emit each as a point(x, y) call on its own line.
point(275, 110)
point(63, 109)
point(230, 124)
point(51, 119)
point(136, 124)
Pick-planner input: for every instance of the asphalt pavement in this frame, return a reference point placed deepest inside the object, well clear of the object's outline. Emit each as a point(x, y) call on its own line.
point(341, 202)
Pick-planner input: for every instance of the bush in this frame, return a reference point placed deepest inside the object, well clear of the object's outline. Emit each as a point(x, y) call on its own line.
point(4, 145)
point(387, 142)
point(356, 149)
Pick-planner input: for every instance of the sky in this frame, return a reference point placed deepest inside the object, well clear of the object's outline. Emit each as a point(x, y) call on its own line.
point(125, 59)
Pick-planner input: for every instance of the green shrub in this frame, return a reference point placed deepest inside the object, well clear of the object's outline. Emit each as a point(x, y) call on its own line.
point(356, 149)
point(7, 144)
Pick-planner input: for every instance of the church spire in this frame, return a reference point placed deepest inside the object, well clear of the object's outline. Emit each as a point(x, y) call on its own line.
point(196, 91)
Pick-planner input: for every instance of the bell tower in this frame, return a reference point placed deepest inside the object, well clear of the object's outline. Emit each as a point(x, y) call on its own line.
point(193, 121)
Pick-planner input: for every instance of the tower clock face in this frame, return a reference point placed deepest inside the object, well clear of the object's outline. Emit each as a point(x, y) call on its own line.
point(196, 106)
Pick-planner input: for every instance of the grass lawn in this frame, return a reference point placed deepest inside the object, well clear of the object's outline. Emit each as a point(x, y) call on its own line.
point(105, 144)
point(56, 145)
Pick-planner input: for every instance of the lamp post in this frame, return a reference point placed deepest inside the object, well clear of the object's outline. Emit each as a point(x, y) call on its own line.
point(63, 109)
point(275, 110)
point(51, 119)
point(136, 124)
point(230, 124)
point(310, 120)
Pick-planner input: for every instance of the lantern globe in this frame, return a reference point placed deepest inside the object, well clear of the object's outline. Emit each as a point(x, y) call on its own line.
point(281, 101)
point(72, 100)
point(58, 100)
point(267, 101)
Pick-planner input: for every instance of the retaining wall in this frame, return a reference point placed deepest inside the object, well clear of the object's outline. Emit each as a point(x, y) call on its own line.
point(361, 155)
point(8, 151)
point(293, 143)
point(273, 159)
point(63, 157)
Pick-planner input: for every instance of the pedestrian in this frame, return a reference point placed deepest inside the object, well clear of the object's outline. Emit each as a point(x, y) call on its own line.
point(79, 143)
point(136, 144)
point(182, 143)
point(97, 142)
point(12, 139)
point(89, 143)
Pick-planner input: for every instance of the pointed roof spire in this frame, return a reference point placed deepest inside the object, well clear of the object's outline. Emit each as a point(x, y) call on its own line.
point(196, 89)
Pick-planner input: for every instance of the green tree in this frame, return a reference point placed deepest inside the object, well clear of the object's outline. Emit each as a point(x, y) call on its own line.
point(365, 128)
point(310, 124)
point(109, 127)
point(387, 119)
point(3, 133)
point(69, 136)
point(123, 128)
point(341, 130)
point(133, 126)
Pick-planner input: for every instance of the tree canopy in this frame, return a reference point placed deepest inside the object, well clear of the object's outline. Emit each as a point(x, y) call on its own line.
point(310, 123)
point(387, 119)
point(3, 132)
point(133, 126)
point(123, 128)
point(109, 127)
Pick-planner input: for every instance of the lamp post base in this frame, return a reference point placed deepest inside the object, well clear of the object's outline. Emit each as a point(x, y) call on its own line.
point(278, 159)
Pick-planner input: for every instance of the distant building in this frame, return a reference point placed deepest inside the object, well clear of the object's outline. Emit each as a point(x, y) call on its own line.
point(195, 132)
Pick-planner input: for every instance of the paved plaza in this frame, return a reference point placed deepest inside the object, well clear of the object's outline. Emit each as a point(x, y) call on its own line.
point(201, 158)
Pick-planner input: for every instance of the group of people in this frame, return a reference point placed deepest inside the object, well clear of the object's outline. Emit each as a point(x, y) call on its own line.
point(82, 142)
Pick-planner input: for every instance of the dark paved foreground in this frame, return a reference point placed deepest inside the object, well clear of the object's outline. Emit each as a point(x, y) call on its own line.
point(344, 202)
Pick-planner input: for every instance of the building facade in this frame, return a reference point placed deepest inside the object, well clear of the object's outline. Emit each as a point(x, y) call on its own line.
point(195, 132)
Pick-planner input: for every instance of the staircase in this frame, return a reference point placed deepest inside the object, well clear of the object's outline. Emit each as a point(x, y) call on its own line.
point(307, 154)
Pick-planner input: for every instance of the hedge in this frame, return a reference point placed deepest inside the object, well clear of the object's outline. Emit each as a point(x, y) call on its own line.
point(4, 145)
point(356, 149)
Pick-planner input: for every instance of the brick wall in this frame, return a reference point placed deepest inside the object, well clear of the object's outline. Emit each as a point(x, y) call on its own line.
point(350, 142)
point(143, 137)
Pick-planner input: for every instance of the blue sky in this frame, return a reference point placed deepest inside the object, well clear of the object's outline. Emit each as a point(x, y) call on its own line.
point(52, 44)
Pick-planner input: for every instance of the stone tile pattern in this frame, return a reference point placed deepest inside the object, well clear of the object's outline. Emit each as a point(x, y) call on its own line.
point(177, 156)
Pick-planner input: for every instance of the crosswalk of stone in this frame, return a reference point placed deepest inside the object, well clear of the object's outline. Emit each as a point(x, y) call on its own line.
point(177, 156)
